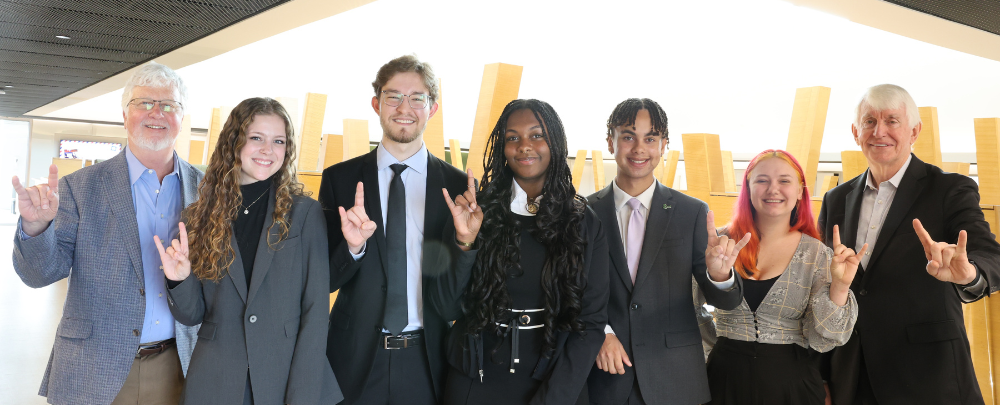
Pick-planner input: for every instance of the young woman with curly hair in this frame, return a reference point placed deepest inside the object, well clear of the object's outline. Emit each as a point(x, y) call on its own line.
point(797, 300)
point(258, 252)
point(534, 310)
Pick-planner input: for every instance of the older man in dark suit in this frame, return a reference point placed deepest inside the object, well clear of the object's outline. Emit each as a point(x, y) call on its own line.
point(930, 250)
point(117, 340)
point(652, 352)
point(387, 334)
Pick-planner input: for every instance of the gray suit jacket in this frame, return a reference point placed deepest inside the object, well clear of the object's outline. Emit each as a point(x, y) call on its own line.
point(276, 330)
point(94, 240)
point(655, 318)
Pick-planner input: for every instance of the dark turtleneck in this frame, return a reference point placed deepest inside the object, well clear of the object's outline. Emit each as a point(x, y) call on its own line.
point(247, 227)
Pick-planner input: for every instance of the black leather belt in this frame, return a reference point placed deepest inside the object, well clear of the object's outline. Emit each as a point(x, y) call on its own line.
point(154, 348)
point(403, 341)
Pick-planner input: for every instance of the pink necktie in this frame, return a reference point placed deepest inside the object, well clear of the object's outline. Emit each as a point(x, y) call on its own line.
point(636, 230)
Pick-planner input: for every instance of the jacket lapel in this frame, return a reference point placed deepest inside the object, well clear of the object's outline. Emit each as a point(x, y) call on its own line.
point(605, 209)
point(189, 183)
point(434, 207)
point(262, 262)
point(119, 192)
point(852, 210)
point(660, 213)
point(910, 186)
point(236, 272)
point(373, 204)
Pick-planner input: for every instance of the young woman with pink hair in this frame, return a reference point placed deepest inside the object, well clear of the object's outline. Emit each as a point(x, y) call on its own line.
point(797, 298)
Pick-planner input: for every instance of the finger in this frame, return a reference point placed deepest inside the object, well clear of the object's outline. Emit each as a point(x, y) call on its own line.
point(159, 245)
point(43, 195)
point(861, 252)
point(963, 241)
point(925, 238)
point(18, 188)
point(447, 199)
point(54, 178)
point(619, 367)
point(625, 358)
point(354, 220)
point(462, 202)
point(176, 244)
point(360, 213)
point(836, 235)
point(713, 234)
point(184, 238)
point(35, 198)
point(472, 187)
point(470, 196)
point(368, 226)
point(936, 254)
point(743, 242)
point(947, 254)
point(359, 195)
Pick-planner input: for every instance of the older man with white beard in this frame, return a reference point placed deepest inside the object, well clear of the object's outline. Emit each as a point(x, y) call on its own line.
point(117, 342)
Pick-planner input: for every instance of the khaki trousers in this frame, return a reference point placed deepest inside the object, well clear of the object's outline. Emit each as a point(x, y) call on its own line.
point(153, 380)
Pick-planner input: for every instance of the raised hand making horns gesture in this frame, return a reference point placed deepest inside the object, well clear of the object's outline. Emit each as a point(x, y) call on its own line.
point(946, 261)
point(354, 223)
point(468, 215)
point(722, 251)
point(843, 268)
point(38, 204)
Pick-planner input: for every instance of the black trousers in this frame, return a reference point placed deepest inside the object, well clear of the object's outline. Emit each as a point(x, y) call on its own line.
point(399, 377)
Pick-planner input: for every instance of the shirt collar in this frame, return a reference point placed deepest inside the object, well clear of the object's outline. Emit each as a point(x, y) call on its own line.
point(519, 200)
point(417, 162)
point(894, 180)
point(621, 197)
point(136, 168)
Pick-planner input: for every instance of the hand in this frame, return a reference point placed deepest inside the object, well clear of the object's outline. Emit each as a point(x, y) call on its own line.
point(843, 268)
point(612, 356)
point(468, 215)
point(354, 223)
point(722, 251)
point(176, 265)
point(39, 204)
point(945, 261)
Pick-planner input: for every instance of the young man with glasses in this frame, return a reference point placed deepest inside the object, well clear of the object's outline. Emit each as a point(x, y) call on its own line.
point(393, 245)
point(117, 341)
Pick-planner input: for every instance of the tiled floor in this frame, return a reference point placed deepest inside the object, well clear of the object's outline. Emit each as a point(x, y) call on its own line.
point(28, 319)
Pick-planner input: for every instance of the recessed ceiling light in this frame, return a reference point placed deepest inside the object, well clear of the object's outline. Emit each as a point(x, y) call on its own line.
point(8, 86)
point(62, 37)
point(3, 92)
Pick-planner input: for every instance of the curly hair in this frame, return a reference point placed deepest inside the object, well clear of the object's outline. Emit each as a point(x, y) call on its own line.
point(558, 228)
point(209, 220)
point(625, 112)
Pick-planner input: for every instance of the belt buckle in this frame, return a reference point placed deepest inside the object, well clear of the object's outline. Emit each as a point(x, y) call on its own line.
point(385, 342)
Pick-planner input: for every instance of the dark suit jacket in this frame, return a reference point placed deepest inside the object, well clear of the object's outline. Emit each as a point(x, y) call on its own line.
point(356, 320)
point(910, 325)
point(276, 329)
point(655, 319)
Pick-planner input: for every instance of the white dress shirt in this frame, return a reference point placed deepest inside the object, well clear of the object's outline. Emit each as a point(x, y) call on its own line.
point(624, 212)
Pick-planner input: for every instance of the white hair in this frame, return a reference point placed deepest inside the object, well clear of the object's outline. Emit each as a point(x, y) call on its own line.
point(154, 74)
point(887, 97)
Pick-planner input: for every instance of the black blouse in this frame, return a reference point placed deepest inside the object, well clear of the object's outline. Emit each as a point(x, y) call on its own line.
point(249, 222)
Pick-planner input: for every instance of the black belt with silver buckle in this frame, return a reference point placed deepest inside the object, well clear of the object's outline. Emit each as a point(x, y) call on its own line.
point(402, 341)
point(154, 348)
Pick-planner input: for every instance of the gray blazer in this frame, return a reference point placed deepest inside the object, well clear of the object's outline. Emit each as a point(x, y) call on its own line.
point(655, 319)
point(276, 330)
point(94, 240)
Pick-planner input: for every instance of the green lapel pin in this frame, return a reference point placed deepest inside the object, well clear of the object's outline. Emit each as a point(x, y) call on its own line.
point(667, 207)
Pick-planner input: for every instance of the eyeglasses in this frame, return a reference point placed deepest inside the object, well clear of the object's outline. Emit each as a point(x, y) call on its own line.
point(166, 106)
point(395, 98)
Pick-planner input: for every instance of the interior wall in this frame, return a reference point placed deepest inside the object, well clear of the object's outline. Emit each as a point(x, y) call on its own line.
point(45, 137)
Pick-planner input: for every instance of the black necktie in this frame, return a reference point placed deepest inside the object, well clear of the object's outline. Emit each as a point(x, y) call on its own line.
point(395, 318)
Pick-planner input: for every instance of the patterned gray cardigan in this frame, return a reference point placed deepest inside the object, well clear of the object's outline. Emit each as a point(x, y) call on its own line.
point(798, 308)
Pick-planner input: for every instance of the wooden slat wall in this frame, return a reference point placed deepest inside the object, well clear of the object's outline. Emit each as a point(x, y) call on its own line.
point(597, 160)
point(455, 151)
point(434, 133)
point(670, 168)
point(577, 171)
point(853, 163)
point(805, 133)
point(356, 141)
point(309, 141)
point(988, 159)
point(728, 173)
point(501, 83)
point(197, 156)
point(214, 128)
point(928, 144)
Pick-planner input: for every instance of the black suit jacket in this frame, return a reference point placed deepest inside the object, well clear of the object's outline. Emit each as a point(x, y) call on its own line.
point(356, 319)
point(655, 319)
point(910, 325)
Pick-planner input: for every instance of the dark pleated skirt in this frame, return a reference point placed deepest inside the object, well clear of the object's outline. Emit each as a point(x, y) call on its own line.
point(750, 373)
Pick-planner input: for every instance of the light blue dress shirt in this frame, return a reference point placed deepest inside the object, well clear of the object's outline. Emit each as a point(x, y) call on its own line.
point(157, 211)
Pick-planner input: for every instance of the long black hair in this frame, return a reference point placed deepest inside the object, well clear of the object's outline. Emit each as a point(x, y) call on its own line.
point(558, 221)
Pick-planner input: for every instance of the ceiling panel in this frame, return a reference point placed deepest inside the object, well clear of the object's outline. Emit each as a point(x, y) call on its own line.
point(981, 14)
point(106, 37)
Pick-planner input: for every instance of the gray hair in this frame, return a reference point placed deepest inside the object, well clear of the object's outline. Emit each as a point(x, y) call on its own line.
point(154, 74)
point(887, 97)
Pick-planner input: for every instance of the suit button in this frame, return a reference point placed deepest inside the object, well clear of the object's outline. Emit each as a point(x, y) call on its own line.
point(864, 292)
point(142, 292)
point(635, 306)
point(135, 332)
point(253, 318)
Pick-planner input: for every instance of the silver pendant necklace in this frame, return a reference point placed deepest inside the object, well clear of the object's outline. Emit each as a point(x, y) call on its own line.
point(247, 208)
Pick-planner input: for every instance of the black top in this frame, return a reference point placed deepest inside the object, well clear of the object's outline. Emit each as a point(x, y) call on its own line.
point(247, 226)
point(754, 291)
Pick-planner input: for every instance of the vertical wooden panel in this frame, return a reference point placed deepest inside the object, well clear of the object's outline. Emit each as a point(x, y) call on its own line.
point(197, 156)
point(434, 133)
point(455, 150)
point(722, 207)
point(829, 182)
point(982, 341)
point(703, 165)
point(728, 173)
point(500, 86)
point(670, 168)
point(805, 134)
point(182, 145)
point(310, 182)
point(988, 160)
point(578, 163)
point(312, 131)
point(65, 166)
point(956, 167)
point(853, 164)
point(334, 150)
point(597, 160)
point(356, 139)
point(928, 145)
point(214, 128)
